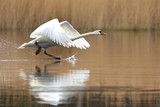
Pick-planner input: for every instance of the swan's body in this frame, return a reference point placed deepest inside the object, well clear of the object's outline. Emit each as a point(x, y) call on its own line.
point(54, 33)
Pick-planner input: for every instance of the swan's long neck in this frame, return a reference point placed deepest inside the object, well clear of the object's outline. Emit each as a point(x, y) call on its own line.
point(83, 35)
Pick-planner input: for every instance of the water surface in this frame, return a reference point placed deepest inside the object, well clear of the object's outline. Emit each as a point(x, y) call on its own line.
point(121, 70)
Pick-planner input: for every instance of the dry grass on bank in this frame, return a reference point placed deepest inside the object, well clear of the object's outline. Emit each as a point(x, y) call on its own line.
point(116, 14)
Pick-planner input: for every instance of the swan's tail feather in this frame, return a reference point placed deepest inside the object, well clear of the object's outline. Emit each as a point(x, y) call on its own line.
point(22, 46)
point(25, 45)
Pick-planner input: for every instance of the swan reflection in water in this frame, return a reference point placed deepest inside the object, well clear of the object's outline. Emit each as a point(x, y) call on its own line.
point(56, 88)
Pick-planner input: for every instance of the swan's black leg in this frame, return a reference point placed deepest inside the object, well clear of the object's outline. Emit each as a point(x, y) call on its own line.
point(55, 57)
point(39, 48)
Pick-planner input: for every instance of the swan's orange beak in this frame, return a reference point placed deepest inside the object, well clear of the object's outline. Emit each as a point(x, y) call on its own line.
point(102, 33)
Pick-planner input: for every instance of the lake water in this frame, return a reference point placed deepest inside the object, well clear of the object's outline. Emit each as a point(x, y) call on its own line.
point(121, 69)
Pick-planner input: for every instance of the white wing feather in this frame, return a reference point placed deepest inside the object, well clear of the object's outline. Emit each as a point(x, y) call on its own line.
point(71, 32)
point(54, 31)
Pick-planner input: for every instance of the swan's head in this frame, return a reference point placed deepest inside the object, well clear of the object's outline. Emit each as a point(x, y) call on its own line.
point(99, 32)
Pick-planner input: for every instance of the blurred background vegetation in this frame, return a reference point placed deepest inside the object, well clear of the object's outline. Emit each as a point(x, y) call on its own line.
point(88, 14)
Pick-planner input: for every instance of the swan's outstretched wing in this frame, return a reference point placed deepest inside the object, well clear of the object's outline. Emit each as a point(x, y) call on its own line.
point(54, 31)
point(71, 32)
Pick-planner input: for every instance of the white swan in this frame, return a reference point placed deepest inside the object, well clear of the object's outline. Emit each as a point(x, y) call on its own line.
point(54, 33)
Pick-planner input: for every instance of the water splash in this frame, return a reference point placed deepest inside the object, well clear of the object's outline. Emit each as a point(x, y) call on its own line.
point(72, 59)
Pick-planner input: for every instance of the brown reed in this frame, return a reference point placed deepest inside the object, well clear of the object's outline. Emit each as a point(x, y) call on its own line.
point(90, 14)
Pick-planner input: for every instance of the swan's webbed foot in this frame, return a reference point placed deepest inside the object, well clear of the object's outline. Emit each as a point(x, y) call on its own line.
point(55, 57)
point(39, 48)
